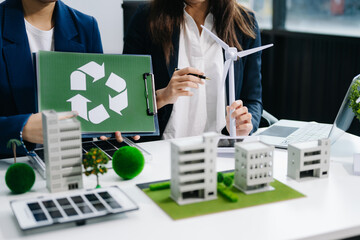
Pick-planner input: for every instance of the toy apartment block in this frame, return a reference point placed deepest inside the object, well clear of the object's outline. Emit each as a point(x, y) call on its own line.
point(193, 169)
point(62, 151)
point(253, 167)
point(309, 159)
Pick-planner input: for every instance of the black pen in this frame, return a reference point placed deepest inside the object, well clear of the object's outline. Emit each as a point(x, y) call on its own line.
point(196, 75)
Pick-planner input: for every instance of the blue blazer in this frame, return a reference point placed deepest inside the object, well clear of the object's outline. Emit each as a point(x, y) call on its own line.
point(247, 70)
point(73, 32)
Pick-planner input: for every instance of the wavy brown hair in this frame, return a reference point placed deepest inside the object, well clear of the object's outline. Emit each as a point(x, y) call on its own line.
point(165, 15)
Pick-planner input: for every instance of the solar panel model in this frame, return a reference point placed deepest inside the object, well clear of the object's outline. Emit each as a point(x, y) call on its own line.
point(74, 206)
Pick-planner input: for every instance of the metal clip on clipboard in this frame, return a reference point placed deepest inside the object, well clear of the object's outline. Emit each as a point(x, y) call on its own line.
point(154, 106)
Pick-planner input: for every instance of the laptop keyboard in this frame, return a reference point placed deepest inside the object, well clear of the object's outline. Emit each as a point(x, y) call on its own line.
point(310, 132)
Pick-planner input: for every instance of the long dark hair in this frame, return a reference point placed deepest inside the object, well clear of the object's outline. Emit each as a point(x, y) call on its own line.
point(165, 15)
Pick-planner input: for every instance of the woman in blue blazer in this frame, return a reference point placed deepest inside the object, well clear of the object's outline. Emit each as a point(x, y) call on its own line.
point(155, 30)
point(73, 32)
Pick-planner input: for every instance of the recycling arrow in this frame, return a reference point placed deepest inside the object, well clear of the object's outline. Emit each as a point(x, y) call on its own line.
point(95, 70)
point(116, 83)
point(118, 102)
point(98, 114)
point(78, 81)
point(79, 104)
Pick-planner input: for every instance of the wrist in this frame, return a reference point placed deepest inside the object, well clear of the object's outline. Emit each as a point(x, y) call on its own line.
point(160, 102)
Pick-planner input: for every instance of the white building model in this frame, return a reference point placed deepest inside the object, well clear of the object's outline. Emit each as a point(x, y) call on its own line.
point(309, 159)
point(62, 151)
point(253, 167)
point(193, 169)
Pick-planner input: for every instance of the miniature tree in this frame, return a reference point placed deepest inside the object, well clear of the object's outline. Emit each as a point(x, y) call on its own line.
point(228, 181)
point(94, 163)
point(12, 143)
point(224, 185)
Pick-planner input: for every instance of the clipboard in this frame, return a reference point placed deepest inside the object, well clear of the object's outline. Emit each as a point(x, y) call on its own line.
point(110, 92)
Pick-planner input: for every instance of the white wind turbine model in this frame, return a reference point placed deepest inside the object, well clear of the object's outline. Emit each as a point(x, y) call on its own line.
point(231, 55)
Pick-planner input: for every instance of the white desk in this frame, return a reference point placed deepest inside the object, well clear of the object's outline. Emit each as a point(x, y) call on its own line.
point(330, 210)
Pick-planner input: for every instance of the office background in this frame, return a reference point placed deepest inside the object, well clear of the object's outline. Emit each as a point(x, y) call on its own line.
point(305, 75)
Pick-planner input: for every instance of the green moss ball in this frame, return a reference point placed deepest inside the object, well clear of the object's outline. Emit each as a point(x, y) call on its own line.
point(128, 162)
point(20, 177)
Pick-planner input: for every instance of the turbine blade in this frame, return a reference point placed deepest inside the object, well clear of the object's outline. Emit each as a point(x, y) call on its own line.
point(253, 50)
point(216, 38)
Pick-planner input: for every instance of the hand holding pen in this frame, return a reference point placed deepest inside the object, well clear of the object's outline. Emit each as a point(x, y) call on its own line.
point(195, 75)
point(180, 82)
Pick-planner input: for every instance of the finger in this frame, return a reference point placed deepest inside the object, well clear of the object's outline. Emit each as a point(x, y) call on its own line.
point(239, 123)
point(70, 115)
point(245, 127)
point(118, 136)
point(187, 70)
point(186, 85)
point(184, 93)
point(137, 137)
point(227, 111)
point(104, 138)
point(239, 111)
point(236, 104)
point(246, 118)
point(185, 78)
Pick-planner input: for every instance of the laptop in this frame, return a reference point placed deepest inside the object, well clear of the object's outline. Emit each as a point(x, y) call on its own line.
point(285, 132)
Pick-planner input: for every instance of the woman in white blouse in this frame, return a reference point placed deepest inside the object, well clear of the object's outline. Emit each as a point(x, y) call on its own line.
point(170, 32)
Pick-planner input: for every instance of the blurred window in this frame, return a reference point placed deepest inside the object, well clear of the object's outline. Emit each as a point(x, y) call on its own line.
point(263, 11)
point(335, 17)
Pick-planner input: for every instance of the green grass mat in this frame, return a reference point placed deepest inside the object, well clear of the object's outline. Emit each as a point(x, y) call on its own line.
point(162, 198)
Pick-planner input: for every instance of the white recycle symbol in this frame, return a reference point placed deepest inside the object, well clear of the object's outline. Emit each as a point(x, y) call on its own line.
point(79, 102)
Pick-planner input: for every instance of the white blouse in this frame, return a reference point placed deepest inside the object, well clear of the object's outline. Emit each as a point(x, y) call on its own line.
point(205, 110)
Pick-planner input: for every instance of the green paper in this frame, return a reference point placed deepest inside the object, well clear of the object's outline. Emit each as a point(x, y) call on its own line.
point(162, 198)
point(129, 110)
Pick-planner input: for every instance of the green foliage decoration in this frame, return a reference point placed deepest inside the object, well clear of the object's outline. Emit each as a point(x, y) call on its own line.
point(354, 95)
point(225, 182)
point(20, 177)
point(229, 174)
point(227, 193)
point(220, 177)
point(159, 186)
point(94, 163)
point(128, 162)
point(228, 181)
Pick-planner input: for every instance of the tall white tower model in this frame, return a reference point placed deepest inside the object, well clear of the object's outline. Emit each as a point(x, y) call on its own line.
point(253, 167)
point(309, 159)
point(193, 169)
point(62, 151)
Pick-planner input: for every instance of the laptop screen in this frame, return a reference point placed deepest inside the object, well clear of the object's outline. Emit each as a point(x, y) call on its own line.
point(344, 117)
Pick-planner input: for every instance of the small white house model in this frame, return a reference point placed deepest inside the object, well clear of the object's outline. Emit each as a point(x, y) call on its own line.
point(309, 159)
point(253, 167)
point(62, 151)
point(193, 169)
